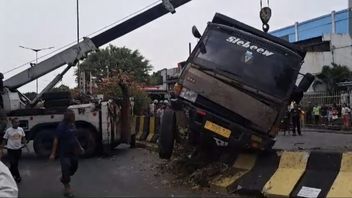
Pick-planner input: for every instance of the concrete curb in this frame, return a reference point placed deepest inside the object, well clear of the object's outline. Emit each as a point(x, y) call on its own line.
point(289, 174)
point(283, 174)
point(308, 130)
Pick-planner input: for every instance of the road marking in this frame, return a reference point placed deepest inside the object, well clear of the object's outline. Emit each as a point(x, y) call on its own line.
point(291, 168)
point(225, 182)
point(342, 186)
point(141, 127)
point(151, 129)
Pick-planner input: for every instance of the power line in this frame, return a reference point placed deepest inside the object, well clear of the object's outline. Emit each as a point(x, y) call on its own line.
point(99, 30)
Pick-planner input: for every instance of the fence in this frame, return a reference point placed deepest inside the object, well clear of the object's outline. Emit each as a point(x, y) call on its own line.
point(326, 99)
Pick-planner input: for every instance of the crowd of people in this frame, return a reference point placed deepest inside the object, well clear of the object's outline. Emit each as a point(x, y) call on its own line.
point(316, 115)
point(328, 115)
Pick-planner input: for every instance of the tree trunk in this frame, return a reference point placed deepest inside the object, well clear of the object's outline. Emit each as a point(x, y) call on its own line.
point(125, 114)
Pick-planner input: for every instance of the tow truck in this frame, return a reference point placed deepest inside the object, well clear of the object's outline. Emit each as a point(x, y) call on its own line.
point(235, 88)
point(98, 121)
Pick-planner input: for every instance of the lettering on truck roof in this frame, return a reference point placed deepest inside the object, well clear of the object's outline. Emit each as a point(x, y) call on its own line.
point(248, 45)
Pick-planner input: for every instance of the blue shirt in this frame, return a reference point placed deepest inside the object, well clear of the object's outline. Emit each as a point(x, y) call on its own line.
point(66, 134)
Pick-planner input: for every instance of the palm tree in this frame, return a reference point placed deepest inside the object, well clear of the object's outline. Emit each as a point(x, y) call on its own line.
point(330, 76)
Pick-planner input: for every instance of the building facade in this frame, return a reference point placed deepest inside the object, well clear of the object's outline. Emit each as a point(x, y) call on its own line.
point(327, 39)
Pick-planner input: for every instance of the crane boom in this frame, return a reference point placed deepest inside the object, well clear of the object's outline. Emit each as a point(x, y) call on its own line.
point(79, 51)
point(68, 56)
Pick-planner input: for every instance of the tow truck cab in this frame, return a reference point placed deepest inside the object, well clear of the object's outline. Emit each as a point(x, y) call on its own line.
point(237, 84)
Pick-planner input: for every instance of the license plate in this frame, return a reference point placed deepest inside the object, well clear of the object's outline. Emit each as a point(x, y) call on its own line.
point(217, 129)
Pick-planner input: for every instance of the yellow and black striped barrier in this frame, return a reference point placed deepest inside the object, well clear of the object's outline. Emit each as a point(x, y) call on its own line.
point(146, 128)
point(277, 173)
point(288, 174)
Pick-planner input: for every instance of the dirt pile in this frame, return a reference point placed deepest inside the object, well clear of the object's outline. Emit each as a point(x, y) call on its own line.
point(195, 167)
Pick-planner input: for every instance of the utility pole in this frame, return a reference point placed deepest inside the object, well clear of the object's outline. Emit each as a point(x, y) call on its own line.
point(81, 81)
point(350, 16)
point(36, 60)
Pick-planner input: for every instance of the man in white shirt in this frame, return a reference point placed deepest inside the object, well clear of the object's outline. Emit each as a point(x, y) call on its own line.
point(14, 140)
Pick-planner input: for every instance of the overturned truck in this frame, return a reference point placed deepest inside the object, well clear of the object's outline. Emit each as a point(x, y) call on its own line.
point(235, 88)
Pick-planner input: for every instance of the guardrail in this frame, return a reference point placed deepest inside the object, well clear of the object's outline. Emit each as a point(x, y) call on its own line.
point(145, 128)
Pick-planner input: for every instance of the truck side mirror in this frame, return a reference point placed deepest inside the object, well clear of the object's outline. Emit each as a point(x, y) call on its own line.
point(303, 86)
point(196, 32)
point(306, 82)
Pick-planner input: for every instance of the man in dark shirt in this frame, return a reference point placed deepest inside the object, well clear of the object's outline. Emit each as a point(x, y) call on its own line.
point(296, 122)
point(69, 149)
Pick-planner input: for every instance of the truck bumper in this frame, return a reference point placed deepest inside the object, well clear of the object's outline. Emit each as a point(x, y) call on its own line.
point(211, 128)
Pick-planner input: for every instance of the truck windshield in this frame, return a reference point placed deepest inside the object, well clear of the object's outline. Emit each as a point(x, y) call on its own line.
point(252, 61)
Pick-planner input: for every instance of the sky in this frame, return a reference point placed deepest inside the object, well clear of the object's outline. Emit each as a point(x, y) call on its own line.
point(164, 42)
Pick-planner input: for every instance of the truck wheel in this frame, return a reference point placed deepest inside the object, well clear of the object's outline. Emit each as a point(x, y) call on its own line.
point(133, 141)
point(167, 134)
point(87, 139)
point(43, 142)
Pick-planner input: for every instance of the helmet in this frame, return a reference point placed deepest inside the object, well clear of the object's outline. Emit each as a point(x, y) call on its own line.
point(155, 101)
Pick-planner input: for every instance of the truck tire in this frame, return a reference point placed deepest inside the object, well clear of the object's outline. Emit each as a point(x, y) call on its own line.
point(167, 134)
point(88, 141)
point(43, 142)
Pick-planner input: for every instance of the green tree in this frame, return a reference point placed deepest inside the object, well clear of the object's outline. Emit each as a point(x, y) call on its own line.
point(118, 72)
point(155, 79)
point(330, 76)
point(31, 95)
point(111, 59)
point(61, 88)
point(123, 86)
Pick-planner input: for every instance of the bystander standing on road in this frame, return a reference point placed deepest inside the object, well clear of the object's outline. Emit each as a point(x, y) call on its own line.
point(302, 116)
point(14, 140)
point(296, 117)
point(324, 115)
point(309, 113)
point(345, 113)
point(152, 107)
point(69, 149)
point(335, 114)
point(316, 113)
point(330, 115)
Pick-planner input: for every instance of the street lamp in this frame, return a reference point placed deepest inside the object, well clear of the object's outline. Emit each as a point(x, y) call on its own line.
point(36, 50)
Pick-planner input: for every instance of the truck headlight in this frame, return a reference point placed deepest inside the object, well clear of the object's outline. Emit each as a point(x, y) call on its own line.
point(188, 94)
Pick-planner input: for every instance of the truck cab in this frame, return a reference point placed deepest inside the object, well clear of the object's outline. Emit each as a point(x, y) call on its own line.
point(236, 86)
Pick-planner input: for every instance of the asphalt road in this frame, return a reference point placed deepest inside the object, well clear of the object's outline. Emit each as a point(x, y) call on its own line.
point(315, 141)
point(134, 172)
point(129, 172)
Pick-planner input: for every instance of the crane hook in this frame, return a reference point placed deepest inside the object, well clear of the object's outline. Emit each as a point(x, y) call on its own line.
point(265, 15)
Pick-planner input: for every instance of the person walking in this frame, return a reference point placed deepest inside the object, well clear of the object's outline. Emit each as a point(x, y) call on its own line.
point(69, 149)
point(296, 120)
point(345, 112)
point(14, 140)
